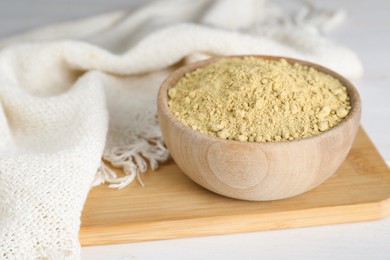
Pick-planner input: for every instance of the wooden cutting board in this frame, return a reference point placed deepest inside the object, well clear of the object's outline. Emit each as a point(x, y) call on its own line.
point(172, 206)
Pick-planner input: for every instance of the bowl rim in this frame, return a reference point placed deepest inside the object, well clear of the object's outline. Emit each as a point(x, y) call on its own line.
point(175, 76)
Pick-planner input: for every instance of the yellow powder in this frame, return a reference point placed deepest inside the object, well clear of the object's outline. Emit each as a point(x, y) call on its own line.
point(257, 100)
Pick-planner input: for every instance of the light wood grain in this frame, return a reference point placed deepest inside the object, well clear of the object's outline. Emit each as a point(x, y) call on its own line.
point(172, 206)
point(257, 171)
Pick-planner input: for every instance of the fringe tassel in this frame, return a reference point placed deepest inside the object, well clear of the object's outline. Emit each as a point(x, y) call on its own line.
point(133, 159)
point(309, 18)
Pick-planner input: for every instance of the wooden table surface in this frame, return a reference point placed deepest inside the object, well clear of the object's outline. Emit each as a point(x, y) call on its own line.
point(367, 31)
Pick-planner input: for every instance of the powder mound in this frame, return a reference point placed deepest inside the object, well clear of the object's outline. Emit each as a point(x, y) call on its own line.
point(258, 100)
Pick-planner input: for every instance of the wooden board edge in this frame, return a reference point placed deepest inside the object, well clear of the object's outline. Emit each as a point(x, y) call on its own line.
point(217, 225)
point(385, 207)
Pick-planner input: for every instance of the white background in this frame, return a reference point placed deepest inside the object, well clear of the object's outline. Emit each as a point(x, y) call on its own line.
point(367, 31)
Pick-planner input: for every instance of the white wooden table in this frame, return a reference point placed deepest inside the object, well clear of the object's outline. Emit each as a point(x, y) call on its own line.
point(367, 31)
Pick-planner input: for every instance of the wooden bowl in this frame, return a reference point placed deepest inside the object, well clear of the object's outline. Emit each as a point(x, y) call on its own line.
point(257, 171)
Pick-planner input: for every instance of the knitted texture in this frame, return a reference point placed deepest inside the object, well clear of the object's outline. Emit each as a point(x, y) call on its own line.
point(74, 93)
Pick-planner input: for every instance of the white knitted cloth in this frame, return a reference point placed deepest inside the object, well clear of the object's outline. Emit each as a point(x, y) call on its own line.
point(73, 93)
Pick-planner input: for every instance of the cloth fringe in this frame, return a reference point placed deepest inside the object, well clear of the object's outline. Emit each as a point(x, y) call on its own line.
point(134, 159)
